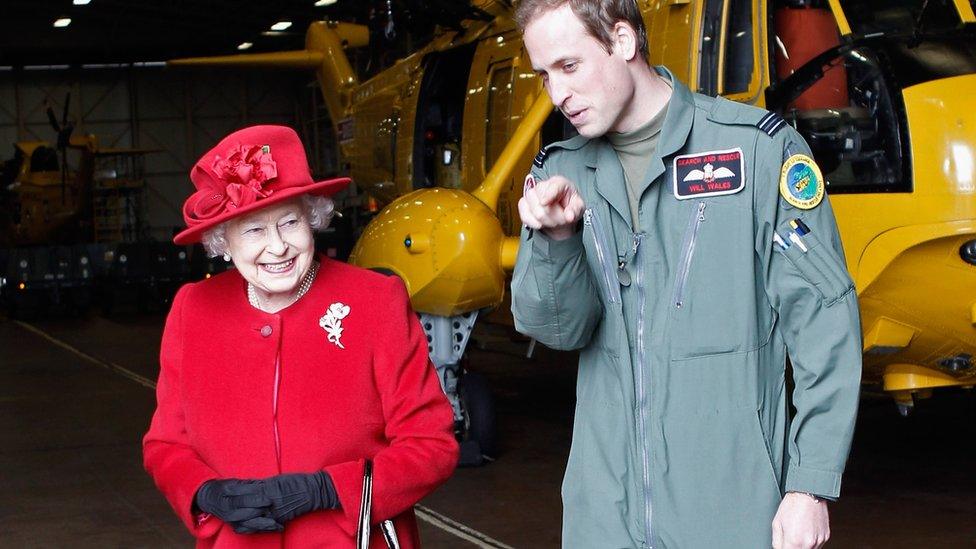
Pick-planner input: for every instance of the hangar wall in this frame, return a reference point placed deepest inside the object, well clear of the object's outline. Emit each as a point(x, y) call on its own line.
point(179, 113)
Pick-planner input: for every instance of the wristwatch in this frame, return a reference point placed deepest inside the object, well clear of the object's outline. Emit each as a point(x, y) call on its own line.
point(817, 499)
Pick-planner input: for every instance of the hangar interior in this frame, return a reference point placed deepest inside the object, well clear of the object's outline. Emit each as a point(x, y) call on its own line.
point(98, 135)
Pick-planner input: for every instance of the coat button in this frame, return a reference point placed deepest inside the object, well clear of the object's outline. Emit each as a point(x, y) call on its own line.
point(266, 331)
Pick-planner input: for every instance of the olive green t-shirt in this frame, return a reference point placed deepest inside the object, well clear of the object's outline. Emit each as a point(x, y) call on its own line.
point(634, 150)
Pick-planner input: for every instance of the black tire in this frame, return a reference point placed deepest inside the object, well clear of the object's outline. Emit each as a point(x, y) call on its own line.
point(479, 412)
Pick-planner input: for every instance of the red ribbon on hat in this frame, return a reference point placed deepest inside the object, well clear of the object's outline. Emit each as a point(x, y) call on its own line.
point(239, 181)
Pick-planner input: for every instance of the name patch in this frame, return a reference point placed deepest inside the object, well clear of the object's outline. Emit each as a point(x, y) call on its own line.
point(712, 173)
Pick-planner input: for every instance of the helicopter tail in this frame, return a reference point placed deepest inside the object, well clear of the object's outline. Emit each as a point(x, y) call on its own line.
point(325, 43)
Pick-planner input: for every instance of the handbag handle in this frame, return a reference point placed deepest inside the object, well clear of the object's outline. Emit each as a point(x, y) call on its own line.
point(365, 509)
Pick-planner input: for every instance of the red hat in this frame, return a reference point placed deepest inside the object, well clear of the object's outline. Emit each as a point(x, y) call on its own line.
point(249, 169)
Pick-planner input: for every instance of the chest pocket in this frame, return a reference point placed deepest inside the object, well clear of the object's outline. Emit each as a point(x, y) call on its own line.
point(713, 302)
point(601, 258)
point(601, 255)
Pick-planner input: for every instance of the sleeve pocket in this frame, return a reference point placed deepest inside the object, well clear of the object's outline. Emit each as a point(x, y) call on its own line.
point(820, 268)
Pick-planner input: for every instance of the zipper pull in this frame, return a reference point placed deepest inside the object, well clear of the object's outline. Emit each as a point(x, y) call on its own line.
point(701, 212)
point(588, 216)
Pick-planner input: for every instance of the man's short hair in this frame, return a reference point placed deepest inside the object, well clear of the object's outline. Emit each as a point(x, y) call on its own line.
point(597, 16)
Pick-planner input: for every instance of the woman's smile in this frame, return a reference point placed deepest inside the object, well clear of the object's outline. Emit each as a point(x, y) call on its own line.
point(278, 268)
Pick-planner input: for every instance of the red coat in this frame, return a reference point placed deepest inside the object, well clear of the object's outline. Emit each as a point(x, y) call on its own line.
point(377, 398)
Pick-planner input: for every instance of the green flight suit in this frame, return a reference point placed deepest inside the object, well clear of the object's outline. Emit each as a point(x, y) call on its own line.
point(683, 435)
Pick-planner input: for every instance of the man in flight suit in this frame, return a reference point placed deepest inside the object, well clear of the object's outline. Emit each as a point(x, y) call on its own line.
point(685, 246)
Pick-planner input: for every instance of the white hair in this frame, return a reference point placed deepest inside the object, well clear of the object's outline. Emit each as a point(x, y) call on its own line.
point(318, 211)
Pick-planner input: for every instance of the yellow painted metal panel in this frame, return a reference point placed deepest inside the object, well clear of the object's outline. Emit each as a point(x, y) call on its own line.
point(908, 377)
point(517, 146)
point(965, 9)
point(841, 17)
point(887, 336)
point(458, 267)
point(903, 248)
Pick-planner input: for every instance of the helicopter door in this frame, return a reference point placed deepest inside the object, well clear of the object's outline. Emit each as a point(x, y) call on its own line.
point(440, 114)
point(489, 109)
point(499, 111)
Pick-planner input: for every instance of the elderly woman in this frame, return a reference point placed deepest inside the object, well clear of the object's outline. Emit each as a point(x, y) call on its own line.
point(296, 402)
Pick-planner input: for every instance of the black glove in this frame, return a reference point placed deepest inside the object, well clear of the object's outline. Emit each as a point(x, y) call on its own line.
point(239, 503)
point(295, 494)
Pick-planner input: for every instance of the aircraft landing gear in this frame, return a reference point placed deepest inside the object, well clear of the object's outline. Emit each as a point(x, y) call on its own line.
point(468, 393)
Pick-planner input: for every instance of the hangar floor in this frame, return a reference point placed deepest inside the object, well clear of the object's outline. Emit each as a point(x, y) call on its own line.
point(75, 398)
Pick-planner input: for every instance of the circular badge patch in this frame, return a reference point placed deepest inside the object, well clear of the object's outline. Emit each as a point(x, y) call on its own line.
point(801, 183)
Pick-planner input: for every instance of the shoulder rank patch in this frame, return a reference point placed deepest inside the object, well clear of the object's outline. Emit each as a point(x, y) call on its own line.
point(771, 123)
point(801, 183)
point(540, 158)
point(712, 173)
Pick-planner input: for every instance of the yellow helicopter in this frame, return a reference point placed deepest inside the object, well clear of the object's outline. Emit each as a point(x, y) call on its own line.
point(44, 200)
point(884, 92)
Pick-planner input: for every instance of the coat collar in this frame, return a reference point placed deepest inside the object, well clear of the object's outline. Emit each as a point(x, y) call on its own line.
point(609, 177)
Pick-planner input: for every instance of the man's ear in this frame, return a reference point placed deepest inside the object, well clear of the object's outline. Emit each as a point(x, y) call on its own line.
point(624, 40)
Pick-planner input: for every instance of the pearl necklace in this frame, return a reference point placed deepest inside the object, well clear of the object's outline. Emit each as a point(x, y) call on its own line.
point(256, 301)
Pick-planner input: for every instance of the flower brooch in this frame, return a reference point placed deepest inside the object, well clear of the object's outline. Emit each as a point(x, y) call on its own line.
point(332, 322)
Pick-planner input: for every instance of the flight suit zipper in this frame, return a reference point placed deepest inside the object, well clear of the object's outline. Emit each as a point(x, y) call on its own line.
point(592, 220)
point(688, 247)
point(641, 393)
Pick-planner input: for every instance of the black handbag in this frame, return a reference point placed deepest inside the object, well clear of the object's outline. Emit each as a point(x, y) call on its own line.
point(363, 530)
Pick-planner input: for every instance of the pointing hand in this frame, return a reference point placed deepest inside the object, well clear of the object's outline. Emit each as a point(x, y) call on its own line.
point(553, 205)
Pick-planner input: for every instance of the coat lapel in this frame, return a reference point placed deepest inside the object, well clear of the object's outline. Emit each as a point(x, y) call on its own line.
point(609, 178)
point(674, 131)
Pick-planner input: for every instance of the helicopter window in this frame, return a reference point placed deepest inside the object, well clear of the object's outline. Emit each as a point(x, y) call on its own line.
point(440, 110)
point(848, 114)
point(499, 113)
point(44, 159)
point(710, 47)
point(738, 64)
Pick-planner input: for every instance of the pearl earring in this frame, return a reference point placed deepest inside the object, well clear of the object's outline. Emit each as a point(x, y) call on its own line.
point(226, 257)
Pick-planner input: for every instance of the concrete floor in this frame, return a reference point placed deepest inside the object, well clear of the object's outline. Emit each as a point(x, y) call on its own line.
point(71, 474)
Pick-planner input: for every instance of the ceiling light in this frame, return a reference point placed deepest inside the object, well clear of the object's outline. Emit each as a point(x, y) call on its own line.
point(321, 3)
point(244, 45)
point(45, 67)
point(62, 22)
point(81, 2)
point(281, 25)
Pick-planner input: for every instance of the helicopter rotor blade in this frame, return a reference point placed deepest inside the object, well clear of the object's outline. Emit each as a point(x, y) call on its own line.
point(53, 120)
point(64, 113)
